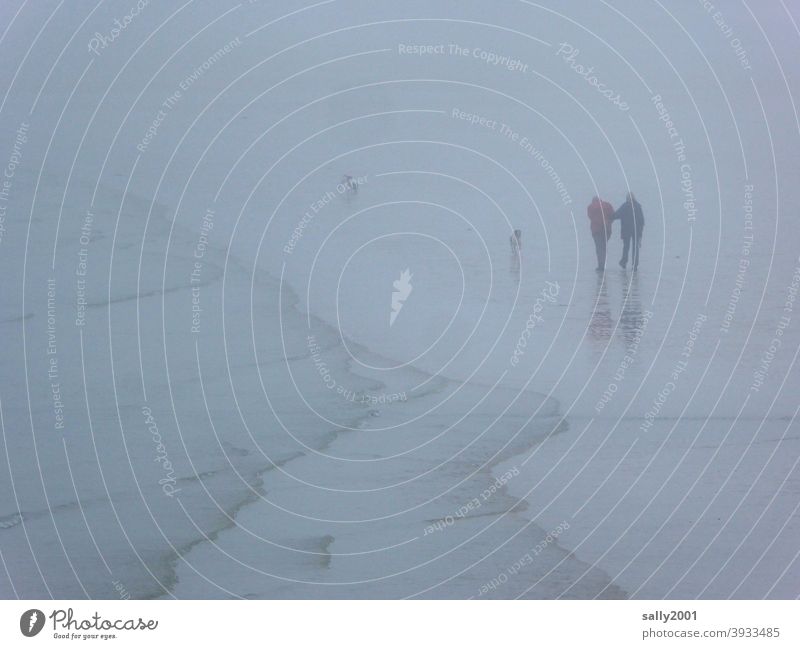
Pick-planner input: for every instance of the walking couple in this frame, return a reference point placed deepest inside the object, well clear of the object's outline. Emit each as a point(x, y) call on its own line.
point(631, 218)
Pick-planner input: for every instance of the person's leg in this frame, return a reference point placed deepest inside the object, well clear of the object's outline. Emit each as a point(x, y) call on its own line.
point(600, 249)
point(603, 242)
point(637, 242)
point(626, 245)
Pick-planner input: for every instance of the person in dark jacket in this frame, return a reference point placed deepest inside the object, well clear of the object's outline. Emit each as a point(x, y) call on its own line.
point(600, 214)
point(631, 220)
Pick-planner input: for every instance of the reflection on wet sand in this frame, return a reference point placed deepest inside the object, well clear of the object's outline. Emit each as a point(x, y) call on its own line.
point(631, 320)
point(601, 324)
point(515, 264)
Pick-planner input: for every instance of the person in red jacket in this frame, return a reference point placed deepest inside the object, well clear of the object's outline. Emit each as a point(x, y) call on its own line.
point(600, 214)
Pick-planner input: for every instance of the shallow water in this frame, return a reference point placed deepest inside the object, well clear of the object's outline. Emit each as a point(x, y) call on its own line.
point(271, 385)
